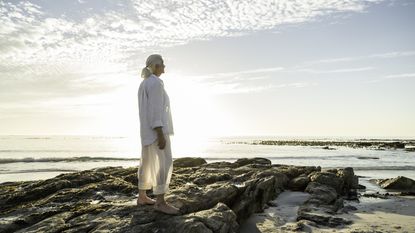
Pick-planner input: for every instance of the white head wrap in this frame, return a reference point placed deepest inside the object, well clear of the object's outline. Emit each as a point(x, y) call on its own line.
point(151, 61)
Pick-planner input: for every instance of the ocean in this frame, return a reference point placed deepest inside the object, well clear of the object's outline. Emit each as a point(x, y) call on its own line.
point(24, 157)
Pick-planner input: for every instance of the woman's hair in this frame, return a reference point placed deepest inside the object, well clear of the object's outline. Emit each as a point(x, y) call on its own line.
point(151, 61)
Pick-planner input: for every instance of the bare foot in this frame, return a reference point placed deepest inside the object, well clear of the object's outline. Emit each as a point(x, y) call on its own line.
point(145, 201)
point(166, 208)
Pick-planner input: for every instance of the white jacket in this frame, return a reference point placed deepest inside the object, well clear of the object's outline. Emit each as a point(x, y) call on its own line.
point(154, 109)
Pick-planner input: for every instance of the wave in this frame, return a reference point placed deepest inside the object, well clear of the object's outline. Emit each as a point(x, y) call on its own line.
point(21, 151)
point(68, 159)
point(37, 170)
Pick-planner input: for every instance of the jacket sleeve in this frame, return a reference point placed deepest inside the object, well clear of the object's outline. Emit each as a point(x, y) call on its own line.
point(155, 98)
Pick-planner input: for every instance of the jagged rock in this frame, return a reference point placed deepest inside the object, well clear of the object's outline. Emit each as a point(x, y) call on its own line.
point(188, 162)
point(326, 189)
point(398, 183)
point(219, 218)
point(329, 179)
point(214, 197)
point(321, 194)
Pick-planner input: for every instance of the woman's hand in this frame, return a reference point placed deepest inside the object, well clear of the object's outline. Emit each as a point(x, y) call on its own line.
point(162, 142)
point(160, 137)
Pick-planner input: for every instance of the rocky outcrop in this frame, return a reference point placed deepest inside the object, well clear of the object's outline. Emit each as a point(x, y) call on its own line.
point(328, 189)
point(400, 183)
point(212, 197)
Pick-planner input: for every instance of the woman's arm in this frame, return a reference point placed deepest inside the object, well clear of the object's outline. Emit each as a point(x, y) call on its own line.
point(155, 97)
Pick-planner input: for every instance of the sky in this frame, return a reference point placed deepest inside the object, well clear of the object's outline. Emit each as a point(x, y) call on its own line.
point(233, 68)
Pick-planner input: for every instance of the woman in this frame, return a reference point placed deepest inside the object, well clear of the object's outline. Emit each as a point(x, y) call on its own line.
point(156, 126)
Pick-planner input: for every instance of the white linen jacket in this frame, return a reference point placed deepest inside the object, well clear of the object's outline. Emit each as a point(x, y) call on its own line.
point(154, 109)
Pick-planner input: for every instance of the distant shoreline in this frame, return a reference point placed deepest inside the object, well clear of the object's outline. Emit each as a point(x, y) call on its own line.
point(363, 143)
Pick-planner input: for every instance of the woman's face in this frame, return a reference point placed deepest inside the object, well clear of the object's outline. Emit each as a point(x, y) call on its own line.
point(159, 68)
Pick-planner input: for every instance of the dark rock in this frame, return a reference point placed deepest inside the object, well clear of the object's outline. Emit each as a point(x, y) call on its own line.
point(321, 194)
point(188, 162)
point(256, 160)
point(398, 183)
point(323, 219)
point(361, 186)
point(214, 197)
point(376, 195)
point(298, 183)
point(329, 179)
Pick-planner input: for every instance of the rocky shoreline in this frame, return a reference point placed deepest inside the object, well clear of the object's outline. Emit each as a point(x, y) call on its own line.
point(212, 197)
point(407, 145)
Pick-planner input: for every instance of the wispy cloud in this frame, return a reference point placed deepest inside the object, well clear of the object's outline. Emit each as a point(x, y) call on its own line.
point(392, 76)
point(344, 70)
point(356, 58)
point(407, 75)
point(30, 33)
point(43, 49)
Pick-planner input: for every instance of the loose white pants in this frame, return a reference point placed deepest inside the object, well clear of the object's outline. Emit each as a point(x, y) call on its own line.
point(156, 167)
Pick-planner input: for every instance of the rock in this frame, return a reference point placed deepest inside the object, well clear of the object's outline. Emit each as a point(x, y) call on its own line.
point(350, 183)
point(329, 179)
point(298, 183)
point(324, 201)
point(219, 218)
point(256, 160)
point(376, 195)
point(348, 208)
point(401, 183)
point(295, 171)
point(324, 219)
point(359, 186)
point(188, 162)
point(212, 197)
point(321, 194)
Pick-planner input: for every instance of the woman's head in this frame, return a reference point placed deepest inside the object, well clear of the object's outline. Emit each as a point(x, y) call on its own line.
point(154, 65)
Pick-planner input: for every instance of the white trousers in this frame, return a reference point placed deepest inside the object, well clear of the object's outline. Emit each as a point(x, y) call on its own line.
point(156, 167)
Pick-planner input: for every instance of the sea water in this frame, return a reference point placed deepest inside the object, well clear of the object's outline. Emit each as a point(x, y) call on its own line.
point(41, 157)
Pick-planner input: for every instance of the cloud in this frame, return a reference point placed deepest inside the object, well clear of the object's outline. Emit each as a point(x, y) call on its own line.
point(344, 70)
point(392, 76)
point(55, 50)
point(30, 33)
point(406, 75)
point(245, 81)
point(394, 54)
